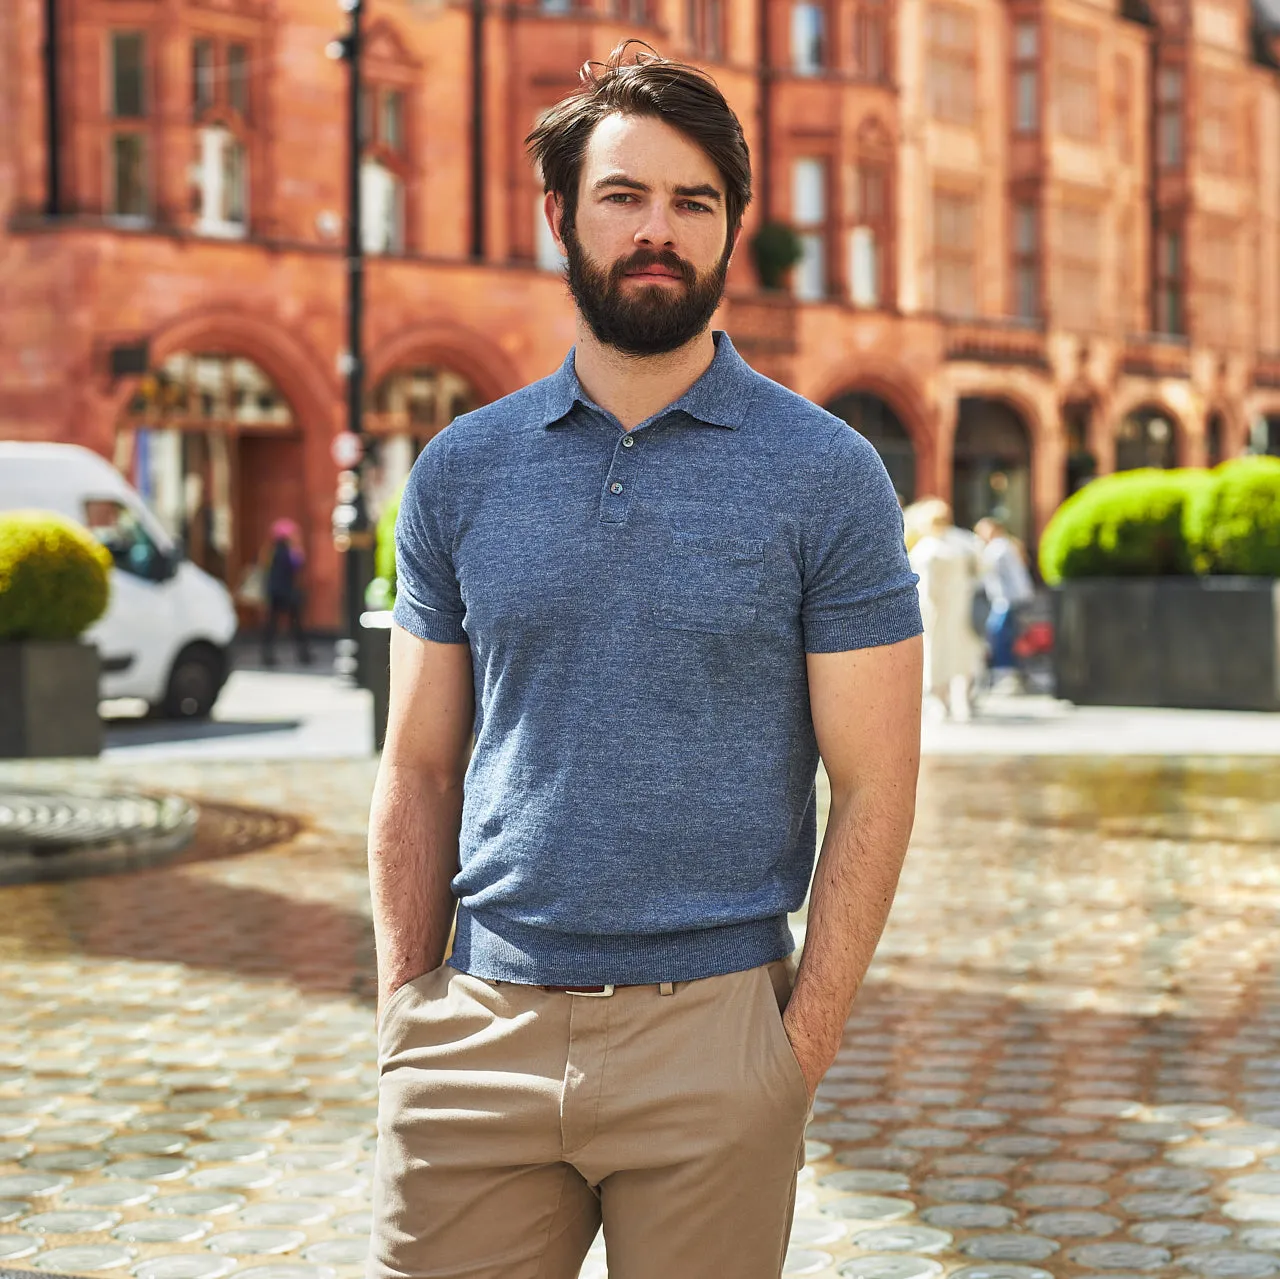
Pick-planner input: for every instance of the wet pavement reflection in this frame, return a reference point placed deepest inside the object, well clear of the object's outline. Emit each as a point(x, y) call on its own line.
point(1066, 1059)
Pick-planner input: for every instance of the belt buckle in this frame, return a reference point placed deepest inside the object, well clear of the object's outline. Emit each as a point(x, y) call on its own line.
point(592, 994)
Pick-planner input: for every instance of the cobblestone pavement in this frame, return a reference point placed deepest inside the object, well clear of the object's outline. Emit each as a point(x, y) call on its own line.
point(1066, 1060)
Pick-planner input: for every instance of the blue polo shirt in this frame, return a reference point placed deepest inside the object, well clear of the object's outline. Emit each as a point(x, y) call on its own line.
point(640, 803)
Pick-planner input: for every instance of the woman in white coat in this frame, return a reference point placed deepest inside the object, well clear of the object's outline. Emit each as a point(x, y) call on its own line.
point(949, 564)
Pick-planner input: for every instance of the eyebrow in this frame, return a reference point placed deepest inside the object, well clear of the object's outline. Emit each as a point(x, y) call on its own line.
point(705, 189)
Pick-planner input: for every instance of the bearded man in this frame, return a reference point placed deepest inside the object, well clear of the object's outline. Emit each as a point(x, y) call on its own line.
point(652, 589)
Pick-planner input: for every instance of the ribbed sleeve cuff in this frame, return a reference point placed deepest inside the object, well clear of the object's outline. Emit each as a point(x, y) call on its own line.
point(428, 623)
point(870, 624)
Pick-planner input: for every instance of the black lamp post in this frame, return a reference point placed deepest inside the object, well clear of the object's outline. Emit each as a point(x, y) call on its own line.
point(350, 518)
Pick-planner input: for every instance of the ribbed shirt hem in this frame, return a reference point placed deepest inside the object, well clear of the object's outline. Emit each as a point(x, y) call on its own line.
point(428, 623)
point(490, 946)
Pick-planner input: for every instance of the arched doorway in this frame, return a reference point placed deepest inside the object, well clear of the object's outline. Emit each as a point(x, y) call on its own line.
point(1147, 436)
point(871, 417)
point(213, 445)
point(404, 410)
point(1215, 439)
point(992, 466)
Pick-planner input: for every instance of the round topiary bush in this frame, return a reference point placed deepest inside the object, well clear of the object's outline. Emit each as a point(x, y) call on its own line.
point(54, 578)
point(1233, 524)
point(1126, 525)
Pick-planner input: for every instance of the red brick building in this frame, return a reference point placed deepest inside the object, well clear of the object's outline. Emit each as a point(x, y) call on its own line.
point(1039, 235)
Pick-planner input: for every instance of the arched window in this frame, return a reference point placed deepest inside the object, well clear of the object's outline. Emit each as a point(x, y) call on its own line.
point(871, 417)
point(1147, 437)
point(992, 466)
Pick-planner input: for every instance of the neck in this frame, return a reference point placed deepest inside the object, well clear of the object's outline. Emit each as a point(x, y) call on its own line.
point(635, 387)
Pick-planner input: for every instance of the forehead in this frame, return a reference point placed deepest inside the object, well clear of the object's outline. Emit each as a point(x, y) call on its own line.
point(649, 150)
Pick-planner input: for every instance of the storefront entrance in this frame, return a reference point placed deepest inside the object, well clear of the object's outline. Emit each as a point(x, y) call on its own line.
point(214, 448)
point(992, 466)
point(1147, 437)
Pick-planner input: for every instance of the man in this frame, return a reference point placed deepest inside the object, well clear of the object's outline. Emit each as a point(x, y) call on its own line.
point(654, 586)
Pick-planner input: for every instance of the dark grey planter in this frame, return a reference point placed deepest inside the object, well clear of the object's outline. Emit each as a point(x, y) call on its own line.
point(49, 699)
point(373, 668)
point(1200, 643)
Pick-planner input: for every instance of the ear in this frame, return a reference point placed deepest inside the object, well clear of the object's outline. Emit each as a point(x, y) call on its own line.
point(553, 211)
point(737, 235)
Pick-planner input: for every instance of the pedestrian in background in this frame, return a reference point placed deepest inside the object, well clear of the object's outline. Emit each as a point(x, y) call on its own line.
point(1009, 587)
point(947, 562)
point(284, 562)
point(656, 586)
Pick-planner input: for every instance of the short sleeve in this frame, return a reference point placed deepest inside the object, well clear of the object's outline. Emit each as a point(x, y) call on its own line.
point(859, 590)
point(428, 597)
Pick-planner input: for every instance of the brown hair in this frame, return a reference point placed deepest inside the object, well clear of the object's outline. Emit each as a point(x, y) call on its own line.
point(642, 83)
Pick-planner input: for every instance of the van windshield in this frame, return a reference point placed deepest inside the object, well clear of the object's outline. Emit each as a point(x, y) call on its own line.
point(131, 547)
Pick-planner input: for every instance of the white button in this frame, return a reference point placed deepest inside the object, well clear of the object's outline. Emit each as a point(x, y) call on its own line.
point(615, 488)
point(628, 442)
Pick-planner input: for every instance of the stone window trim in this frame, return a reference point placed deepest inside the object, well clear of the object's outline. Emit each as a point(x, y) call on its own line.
point(1026, 72)
point(874, 41)
point(952, 63)
point(870, 223)
point(955, 237)
point(390, 123)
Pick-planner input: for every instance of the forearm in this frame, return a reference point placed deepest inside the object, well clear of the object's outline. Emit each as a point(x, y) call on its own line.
point(853, 890)
point(413, 857)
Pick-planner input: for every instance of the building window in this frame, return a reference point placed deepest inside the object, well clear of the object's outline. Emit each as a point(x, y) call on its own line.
point(129, 176)
point(809, 213)
point(1169, 97)
point(871, 56)
point(1168, 317)
point(953, 64)
point(1026, 76)
point(1026, 260)
point(238, 79)
point(203, 93)
point(1076, 302)
point(808, 39)
point(1122, 115)
point(955, 240)
point(1128, 287)
point(1076, 81)
point(1217, 284)
point(870, 236)
point(382, 209)
point(1220, 124)
point(128, 75)
point(222, 182)
point(555, 6)
point(391, 120)
point(705, 28)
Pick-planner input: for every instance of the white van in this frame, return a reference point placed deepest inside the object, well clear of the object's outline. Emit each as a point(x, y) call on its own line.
point(166, 634)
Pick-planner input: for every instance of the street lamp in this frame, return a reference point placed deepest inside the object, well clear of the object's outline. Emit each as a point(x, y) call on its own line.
point(352, 535)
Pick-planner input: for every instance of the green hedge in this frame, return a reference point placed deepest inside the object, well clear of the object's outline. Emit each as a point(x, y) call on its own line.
point(381, 592)
point(1157, 523)
point(54, 578)
point(1233, 525)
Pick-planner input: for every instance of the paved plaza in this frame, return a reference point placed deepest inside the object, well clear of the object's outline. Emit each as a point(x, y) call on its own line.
point(1065, 1062)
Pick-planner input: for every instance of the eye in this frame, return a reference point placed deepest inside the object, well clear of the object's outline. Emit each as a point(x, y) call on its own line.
point(697, 206)
point(620, 195)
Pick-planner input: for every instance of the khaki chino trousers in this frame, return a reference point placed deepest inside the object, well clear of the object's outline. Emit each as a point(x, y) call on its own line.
point(514, 1120)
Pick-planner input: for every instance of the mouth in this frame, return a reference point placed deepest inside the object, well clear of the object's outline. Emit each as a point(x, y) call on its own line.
point(656, 273)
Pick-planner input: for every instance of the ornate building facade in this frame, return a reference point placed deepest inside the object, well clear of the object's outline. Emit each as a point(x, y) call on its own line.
point(1041, 238)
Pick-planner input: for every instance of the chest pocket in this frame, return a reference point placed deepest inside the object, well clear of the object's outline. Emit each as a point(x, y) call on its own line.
point(710, 583)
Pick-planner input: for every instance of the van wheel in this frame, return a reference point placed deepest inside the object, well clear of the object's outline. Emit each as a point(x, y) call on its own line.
point(194, 683)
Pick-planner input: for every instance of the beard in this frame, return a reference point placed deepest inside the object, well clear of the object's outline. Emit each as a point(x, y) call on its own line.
point(649, 320)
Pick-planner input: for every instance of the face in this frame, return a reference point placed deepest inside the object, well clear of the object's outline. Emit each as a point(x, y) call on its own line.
point(648, 249)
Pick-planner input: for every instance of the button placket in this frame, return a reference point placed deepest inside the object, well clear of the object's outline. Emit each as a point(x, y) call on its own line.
point(615, 502)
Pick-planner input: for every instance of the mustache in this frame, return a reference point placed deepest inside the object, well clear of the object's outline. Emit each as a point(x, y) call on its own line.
point(645, 258)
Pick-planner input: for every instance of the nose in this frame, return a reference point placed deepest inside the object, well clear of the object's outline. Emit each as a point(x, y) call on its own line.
point(656, 230)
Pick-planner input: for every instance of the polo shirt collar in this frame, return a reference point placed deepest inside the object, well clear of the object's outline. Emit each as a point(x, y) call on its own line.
point(718, 398)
